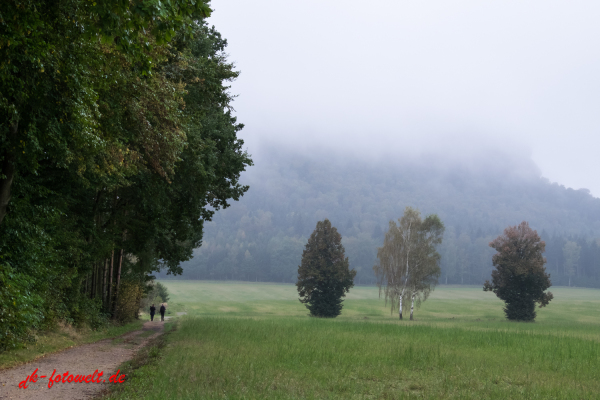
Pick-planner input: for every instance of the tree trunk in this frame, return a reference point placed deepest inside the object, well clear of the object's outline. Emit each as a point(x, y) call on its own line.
point(412, 306)
point(118, 281)
point(110, 283)
point(93, 285)
point(105, 272)
point(401, 297)
point(405, 281)
point(8, 170)
point(99, 285)
point(400, 307)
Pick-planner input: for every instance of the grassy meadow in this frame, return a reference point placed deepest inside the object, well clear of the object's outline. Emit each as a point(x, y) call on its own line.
point(255, 341)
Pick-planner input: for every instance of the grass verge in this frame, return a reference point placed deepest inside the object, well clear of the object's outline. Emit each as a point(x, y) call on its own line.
point(62, 338)
point(142, 367)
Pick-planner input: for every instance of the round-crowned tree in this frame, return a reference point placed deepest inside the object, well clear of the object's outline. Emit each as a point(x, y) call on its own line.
point(520, 277)
point(324, 276)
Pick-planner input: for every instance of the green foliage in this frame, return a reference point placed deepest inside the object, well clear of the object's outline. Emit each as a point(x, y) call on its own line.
point(408, 267)
point(20, 309)
point(32, 279)
point(162, 291)
point(128, 304)
point(520, 278)
point(323, 275)
point(89, 313)
point(117, 143)
point(156, 293)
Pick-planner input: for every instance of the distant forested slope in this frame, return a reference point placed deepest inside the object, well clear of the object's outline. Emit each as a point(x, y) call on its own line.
point(262, 236)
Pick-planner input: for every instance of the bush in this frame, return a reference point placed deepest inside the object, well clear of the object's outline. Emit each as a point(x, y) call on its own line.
point(89, 313)
point(128, 304)
point(19, 311)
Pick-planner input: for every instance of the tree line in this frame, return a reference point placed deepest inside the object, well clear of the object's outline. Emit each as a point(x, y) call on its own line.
point(261, 238)
point(117, 143)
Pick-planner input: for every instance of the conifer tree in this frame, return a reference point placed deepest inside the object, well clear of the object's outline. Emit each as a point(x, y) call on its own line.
point(323, 275)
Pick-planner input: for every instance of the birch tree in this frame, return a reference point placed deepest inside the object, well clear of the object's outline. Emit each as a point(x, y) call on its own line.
point(408, 267)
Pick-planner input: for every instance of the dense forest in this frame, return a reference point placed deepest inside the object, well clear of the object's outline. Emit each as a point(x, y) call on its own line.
point(262, 236)
point(117, 143)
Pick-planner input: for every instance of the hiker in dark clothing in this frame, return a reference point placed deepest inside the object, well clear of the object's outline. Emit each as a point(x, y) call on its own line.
point(162, 312)
point(152, 312)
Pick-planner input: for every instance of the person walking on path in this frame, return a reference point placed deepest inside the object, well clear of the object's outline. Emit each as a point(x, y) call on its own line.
point(152, 312)
point(162, 312)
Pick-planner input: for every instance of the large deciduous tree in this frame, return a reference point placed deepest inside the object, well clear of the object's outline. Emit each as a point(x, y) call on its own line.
point(408, 267)
point(115, 148)
point(520, 277)
point(53, 69)
point(323, 275)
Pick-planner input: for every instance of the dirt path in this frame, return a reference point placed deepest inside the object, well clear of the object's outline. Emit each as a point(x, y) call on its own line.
point(104, 356)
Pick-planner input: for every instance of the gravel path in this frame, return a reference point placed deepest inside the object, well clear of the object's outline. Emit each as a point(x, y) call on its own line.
point(104, 356)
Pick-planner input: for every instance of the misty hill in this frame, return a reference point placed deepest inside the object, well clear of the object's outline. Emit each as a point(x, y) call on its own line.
point(262, 236)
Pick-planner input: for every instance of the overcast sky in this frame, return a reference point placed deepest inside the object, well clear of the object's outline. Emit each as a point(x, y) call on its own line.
point(410, 76)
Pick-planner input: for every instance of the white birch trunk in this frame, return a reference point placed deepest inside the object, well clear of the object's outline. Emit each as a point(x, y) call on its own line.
point(412, 306)
point(400, 306)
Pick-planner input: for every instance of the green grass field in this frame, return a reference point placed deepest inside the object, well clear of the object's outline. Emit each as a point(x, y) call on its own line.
point(255, 341)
